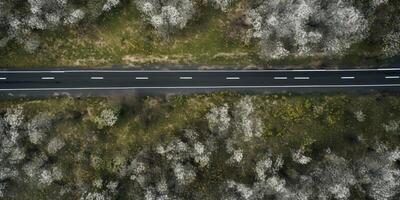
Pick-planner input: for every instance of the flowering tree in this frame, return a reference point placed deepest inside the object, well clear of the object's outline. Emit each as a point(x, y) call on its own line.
point(167, 16)
point(21, 20)
point(222, 4)
point(218, 119)
point(107, 118)
point(299, 157)
point(334, 176)
point(306, 26)
point(38, 126)
point(378, 173)
point(247, 124)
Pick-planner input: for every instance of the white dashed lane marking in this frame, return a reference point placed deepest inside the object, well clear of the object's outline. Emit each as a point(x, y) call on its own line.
point(3, 78)
point(347, 77)
point(301, 78)
point(186, 78)
point(280, 78)
point(48, 78)
point(142, 78)
point(97, 78)
point(232, 78)
point(392, 77)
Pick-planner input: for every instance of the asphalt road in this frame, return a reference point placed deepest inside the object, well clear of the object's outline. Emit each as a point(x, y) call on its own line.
point(196, 79)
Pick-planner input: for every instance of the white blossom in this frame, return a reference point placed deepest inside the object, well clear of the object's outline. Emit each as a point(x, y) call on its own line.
point(237, 156)
point(45, 177)
point(392, 126)
point(31, 168)
point(276, 184)
point(98, 183)
point(38, 126)
point(222, 4)
point(2, 189)
point(376, 3)
point(360, 116)
point(112, 186)
point(392, 44)
point(110, 4)
point(14, 117)
point(201, 156)
point(36, 23)
point(75, 17)
point(107, 118)
point(94, 196)
point(167, 16)
point(262, 167)
point(247, 124)
point(6, 172)
point(299, 157)
point(16, 155)
point(183, 174)
point(53, 19)
point(218, 119)
point(308, 25)
point(334, 178)
point(55, 144)
point(378, 173)
point(243, 190)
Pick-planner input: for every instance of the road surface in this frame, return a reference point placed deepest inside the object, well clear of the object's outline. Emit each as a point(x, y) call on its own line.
point(196, 79)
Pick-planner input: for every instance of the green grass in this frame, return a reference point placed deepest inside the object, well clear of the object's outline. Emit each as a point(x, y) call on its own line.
point(313, 122)
point(122, 37)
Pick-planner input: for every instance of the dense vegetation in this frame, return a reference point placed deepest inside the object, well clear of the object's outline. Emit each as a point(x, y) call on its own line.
point(205, 146)
point(273, 32)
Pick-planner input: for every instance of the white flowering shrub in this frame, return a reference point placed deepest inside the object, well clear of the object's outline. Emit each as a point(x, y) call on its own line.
point(263, 166)
point(222, 4)
point(201, 155)
point(75, 17)
point(12, 153)
point(107, 118)
point(167, 16)
point(218, 119)
point(22, 20)
point(247, 124)
point(55, 144)
point(378, 172)
point(266, 166)
point(391, 126)
point(267, 184)
point(307, 26)
point(2, 188)
point(110, 4)
point(38, 126)
point(299, 157)
point(184, 174)
point(45, 177)
point(276, 184)
point(360, 116)
point(238, 191)
point(236, 157)
point(16, 155)
point(391, 44)
point(14, 117)
point(376, 3)
point(94, 196)
point(334, 177)
point(32, 167)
